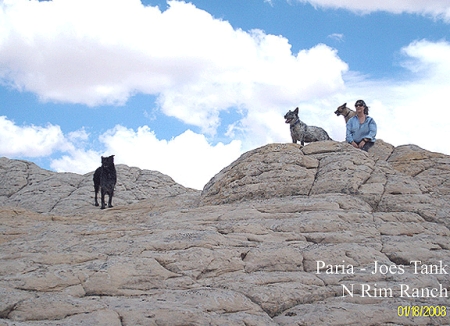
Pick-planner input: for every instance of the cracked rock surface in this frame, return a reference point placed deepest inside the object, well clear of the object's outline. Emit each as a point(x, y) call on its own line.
point(273, 239)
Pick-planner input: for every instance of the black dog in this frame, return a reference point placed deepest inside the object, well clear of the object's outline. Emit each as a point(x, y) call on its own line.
point(105, 179)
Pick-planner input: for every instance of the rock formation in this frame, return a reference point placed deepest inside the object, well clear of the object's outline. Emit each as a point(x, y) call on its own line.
point(320, 235)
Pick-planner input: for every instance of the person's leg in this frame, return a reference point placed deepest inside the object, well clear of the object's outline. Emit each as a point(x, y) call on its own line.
point(367, 146)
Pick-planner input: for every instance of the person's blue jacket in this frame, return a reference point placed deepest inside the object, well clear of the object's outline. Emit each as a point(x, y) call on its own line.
point(357, 131)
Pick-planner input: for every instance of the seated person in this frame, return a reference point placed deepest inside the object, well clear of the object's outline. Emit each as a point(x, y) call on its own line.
point(361, 129)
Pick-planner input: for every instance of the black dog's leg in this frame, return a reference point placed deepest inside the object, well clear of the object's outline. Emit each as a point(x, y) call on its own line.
point(96, 192)
point(111, 193)
point(96, 180)
point(103, 198)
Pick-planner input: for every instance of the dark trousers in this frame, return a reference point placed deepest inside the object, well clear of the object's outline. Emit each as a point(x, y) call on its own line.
point(367, 145)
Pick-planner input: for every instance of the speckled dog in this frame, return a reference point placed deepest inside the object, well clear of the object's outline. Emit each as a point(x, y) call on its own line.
point(303, 133)
point(346, 112)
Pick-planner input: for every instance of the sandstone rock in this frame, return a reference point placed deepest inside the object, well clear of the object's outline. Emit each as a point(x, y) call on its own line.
point(431, 169)
point(273, 239)
point(381, 150)
point(26, 185)
point(259, 173)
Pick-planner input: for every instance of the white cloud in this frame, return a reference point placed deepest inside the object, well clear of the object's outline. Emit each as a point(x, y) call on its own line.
point(97, 52)
point(188, 158)
point(439, 9)
point(77, 160)
point(29, 141)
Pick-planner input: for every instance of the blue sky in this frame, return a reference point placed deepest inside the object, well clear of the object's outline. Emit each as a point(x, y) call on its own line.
point(186, 87)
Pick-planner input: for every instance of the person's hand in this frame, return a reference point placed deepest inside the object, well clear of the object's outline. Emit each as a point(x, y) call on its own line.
point(354, 144)
point(362, 143)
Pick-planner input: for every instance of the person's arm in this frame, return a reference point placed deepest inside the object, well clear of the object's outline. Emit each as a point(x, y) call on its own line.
point(349, 135)
point(372, 130)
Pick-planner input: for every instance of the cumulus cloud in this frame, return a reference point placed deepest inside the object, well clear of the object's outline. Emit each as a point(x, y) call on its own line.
point(102, 52)
point(29, 141)
point(188, 158)
point(439, 9)
point(77, 160)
